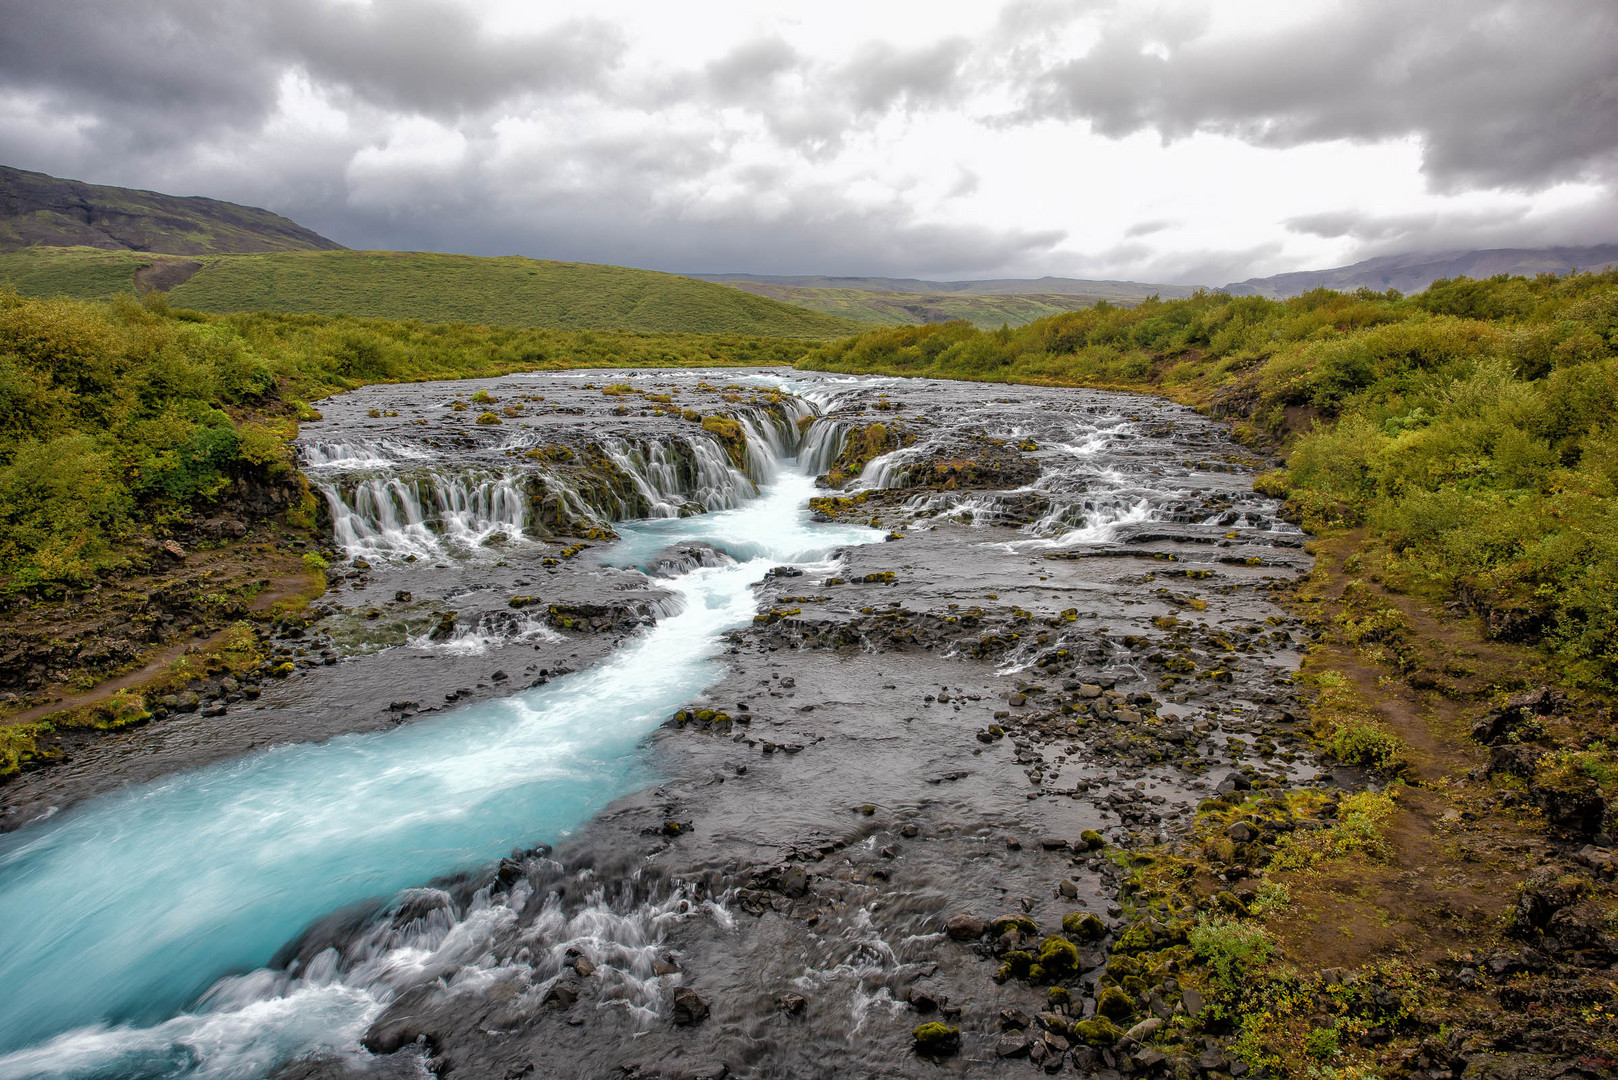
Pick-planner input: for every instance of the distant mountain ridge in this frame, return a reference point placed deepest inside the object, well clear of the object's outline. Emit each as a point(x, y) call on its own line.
point(1414, 271)
point(37, 209)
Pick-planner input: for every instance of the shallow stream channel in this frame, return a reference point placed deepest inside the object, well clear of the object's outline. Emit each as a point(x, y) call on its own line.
point(657, 723)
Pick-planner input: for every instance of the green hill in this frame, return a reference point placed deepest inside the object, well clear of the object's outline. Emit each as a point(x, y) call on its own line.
point(38, 209)
point(509, 291)
point(891, 308)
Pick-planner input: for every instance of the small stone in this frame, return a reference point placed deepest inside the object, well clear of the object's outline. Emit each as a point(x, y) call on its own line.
point(1143, 1030)
point(1013, 1044)
point(1069, 889)
point(1013, 1019)
point(923, 1000)
point(910, 831)
point(965, 927)
point(795, 881)
point(689, 1008)
point(791, 1004)
point(1241, 832)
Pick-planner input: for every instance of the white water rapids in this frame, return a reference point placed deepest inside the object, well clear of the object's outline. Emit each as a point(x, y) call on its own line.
point(122, 913)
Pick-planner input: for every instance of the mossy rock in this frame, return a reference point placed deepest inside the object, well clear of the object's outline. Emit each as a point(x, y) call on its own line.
point(1016, 964)
point(1020, 923)
point(1098, 1032)
point(1058, 957)
point(489, 418)
point(1138, 938)
point(1114, 1004)
point(1083, 925)
point(1120, 968)
point(935, 1039)
point(1058, 996)
point(1093, 840)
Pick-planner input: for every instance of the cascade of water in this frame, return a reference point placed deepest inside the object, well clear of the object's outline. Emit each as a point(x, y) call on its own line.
point(771, 438)
point(890, 470)
point(240, 856)
point(416, 515)
point(708, 481)
point(821, 445)
point(362, 454)
point(656, 477)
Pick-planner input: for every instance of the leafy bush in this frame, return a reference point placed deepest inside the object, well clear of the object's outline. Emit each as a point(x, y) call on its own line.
point(1232, 951)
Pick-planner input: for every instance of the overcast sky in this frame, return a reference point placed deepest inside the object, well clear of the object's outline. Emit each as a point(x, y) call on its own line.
point(1191, 141)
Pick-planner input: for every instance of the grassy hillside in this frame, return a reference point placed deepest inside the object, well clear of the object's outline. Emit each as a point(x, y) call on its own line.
point(82, 273)
point(115, 417)
point(901, 308)
point(1471, 428)
point(511, 291)
point(36, 208)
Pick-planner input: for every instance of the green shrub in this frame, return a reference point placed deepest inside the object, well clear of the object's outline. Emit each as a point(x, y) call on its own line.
point(1232, 951)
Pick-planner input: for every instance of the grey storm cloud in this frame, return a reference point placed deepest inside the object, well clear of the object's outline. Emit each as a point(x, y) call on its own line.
point(1500, 92)
point(630, 163)
point(816, 228)
point(1388, 234)
point(152, 74)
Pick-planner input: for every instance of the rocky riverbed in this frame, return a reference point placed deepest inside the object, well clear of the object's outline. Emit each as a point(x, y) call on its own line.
point(899, 800)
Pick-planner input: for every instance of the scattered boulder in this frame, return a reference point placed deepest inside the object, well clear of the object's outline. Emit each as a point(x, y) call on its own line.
point(689, 1007)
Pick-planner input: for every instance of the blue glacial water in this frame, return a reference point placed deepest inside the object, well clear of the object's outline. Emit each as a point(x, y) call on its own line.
point(117, 916)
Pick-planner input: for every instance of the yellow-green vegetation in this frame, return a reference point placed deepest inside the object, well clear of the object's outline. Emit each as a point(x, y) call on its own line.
point(1470, 428)
point(431, 287)
point(1345, 728)
point(80, 272)
point(896, 308)
point(115, 416)
point(1185, 924)
point(238, 650)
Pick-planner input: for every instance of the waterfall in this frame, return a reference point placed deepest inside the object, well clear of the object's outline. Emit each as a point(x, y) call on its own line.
point(771, 437)
point(821, 445)
point(426, 514)
point(890, 470)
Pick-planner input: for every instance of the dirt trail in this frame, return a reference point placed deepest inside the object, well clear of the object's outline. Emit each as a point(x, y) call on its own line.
point(285, 585)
